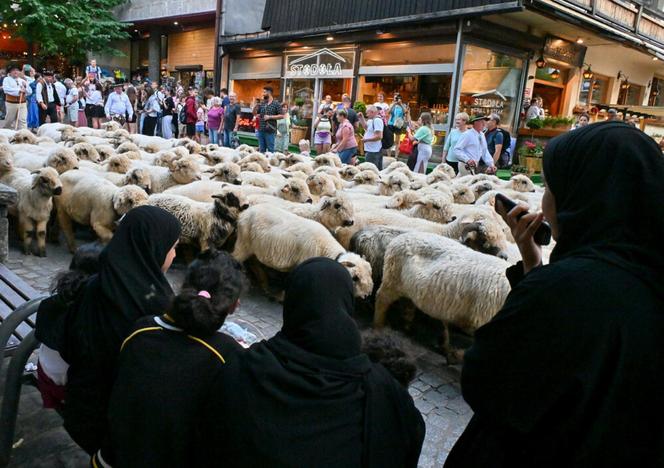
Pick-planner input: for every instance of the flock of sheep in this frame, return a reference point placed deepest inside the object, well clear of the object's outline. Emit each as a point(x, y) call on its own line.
point(434, 239)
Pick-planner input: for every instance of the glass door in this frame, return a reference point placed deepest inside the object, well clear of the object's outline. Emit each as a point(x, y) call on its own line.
point(300, 94)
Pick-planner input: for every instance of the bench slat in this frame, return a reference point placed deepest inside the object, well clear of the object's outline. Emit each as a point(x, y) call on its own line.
point(17, 284)
point(24, 328)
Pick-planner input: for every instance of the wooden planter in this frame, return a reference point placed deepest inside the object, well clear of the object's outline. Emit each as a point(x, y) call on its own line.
point(533, 164)
point(360, 144)
point(298, 133)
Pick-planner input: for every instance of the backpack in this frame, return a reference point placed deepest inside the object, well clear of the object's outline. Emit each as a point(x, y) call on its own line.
point(505, 156)
point(182, 115)
point(388, 138)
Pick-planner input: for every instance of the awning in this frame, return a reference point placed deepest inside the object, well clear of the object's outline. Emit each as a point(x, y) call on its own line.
point(501, 81)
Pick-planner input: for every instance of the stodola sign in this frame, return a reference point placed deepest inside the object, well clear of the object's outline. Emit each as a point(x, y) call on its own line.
point(320, 64)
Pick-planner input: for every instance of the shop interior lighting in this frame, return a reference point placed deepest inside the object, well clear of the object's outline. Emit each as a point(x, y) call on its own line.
point(329, 38)
point(625, 80)
point(579, 41)
point(541, 63)
point(555, 74)
point(175, 23)
point(588, 72)
point(655, 59)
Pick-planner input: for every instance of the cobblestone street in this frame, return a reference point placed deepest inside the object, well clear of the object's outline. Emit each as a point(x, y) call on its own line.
point(42, 442)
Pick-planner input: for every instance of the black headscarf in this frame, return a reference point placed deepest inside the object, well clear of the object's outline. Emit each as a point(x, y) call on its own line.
point(130, 283)
point(608, 183)
point(309, 395)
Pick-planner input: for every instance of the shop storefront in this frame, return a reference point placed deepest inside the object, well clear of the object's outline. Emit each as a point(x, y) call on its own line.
point(190, 58)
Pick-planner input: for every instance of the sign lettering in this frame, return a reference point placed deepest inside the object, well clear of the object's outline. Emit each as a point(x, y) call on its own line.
point(323, 69)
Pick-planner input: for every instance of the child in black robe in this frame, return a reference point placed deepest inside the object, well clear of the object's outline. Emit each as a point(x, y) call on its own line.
point(169, 368)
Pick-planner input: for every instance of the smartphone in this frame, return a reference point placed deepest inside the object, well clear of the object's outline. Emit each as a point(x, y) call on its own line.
point(542, 235)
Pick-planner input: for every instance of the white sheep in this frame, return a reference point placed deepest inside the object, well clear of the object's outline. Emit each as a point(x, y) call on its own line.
point(93, 201)
point(331, 212)
point(444, 279)
point(282, 240)
point(162, 178)
point(34, 204)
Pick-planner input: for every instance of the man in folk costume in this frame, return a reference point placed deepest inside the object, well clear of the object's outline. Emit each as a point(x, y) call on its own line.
point(16, 89)
point(47, 98)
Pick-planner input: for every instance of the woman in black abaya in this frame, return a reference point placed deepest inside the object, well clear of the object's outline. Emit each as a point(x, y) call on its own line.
point(309, 396)
point(570, 373)
point(130, 285)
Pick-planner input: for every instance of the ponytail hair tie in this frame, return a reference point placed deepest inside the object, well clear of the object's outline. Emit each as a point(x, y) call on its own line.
point(204, 294)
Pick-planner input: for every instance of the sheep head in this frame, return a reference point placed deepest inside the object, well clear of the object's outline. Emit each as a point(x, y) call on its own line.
point(349, 172)
point(62, 160)
point(463, 195)
point(105, 152)
point(438, 176)
point(296, 190)
point(366, 177)
point(166, 159)
point(127, 146)
point(86, 152)
point(321, 184)
point(185, 171)
point(403, 200)
point(118, 163)
point(228, 205)
point(259, 159)
point(127, 198)
point(367, 166)
point(24, 136)
point(6, 158)
point(251, 166)
point(433, 208)
point(360, 273)
point(140, 177)
point(336, 211)
point(396, 182)
point(484, 236)
point(227, 172)
point(302, 167)
point(521, 183)
point(46, 182)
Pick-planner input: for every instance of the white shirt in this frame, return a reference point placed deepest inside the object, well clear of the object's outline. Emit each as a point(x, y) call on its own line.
point(118, 104)
point(472, 145)
point(49, 92)
point(61, 90)
point(374, 125)
point(53, 365)
point(94, 97)
point(12, 86)
point(72, 97)
point(534, 112)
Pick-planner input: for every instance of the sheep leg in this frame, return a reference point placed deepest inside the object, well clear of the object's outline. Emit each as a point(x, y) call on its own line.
point(41, 238)
point(64, 221)
point(384, 298)
point(409, 315)
point(25, 234)
point(453, 355)
point(105, 234)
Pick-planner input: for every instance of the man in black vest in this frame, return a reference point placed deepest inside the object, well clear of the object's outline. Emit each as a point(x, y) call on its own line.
point(47, 98)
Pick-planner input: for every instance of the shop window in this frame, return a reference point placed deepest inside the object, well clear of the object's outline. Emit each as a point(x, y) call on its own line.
point(594, 90)
point(422, 93)
point(630, 96)
point(656, 92)
point(248, 91)
point(491, 83)
point(407, 53)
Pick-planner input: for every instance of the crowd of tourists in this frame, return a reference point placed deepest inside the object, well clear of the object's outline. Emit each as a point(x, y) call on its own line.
point(28, 99)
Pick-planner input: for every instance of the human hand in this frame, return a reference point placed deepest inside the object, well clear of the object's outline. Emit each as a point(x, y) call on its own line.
point(491, 170)
point(43, 106)
point(471, 163)
point(523, 228)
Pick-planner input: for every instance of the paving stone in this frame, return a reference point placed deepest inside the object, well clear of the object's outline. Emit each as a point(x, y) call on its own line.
point(434, 397)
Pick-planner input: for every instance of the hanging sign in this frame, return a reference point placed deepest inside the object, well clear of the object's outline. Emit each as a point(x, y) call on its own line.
point(320, 64)
point(565, 52)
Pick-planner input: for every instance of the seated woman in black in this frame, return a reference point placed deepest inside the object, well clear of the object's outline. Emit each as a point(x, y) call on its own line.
point(309, 397)
point(169, 367)
point(130, 285)
point(570, 373)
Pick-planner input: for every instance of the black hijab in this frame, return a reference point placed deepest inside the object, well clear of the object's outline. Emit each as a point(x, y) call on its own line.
point(130, 283)
point(309, 395)
point(608, 183)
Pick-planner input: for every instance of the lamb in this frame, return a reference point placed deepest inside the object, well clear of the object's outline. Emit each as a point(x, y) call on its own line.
point(321, 184)
point(127, 146)
point(462, 194)
point(34, 204)
point(251, 166)
point(260, 179)
point(190, 145)
point(226, 172)
point(205, 190)
point(349, 172)
point(327, 159)
point(138, 176)
point(367, 177)
point(105, 151)
point(258, 158)
point(166, 159)
point(432, 207)
point(371, 243)
point(303, 167)
point(481, 187)
point(96, 202)
point(396, 182)
point(86, 152)
point(367, 166)
point(24, 136)
point(184, 172)
point(438, 175)
point(144, 140)
point(444, 279)
point(394, 166)
point(62, 159)
point(291, 160)
point(282, 240)
point(293, 190)
point(331, 212)
point(203, 224)
point(521, 183)
point(52, 130)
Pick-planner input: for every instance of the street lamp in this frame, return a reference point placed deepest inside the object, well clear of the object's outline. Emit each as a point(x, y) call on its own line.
point(555, 74)
point(541, 63)
point(588, 73)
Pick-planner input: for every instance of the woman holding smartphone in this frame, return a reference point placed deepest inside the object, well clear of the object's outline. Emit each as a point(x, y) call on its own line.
point(570, 371)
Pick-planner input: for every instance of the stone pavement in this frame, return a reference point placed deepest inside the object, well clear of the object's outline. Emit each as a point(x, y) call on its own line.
point(42, 442)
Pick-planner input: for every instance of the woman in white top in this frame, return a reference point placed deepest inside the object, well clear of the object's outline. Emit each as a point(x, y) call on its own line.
point(94, 105)
point(460, 126)
point(535, 111)
point(423, 138)
point(71, 103)
point(323, 131)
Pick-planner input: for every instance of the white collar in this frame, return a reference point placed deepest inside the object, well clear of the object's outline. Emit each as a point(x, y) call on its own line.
point(166, 325)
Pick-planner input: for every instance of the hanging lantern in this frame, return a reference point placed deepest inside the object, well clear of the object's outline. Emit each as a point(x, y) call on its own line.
point(555, 74)
point(541, 63)
point(588, 73)
point(625, 85)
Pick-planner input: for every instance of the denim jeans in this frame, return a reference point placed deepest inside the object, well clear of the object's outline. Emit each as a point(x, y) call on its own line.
point(265, 141)
point(376, 158)
point(167, 126)
point(347, 154)
point(228, 137)
point(214, 136)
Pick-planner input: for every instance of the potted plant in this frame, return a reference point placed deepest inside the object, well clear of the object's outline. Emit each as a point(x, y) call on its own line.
point(535, 124)
point(532, 153)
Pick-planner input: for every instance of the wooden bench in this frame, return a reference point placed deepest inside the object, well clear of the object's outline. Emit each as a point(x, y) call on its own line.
point(18, 307)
